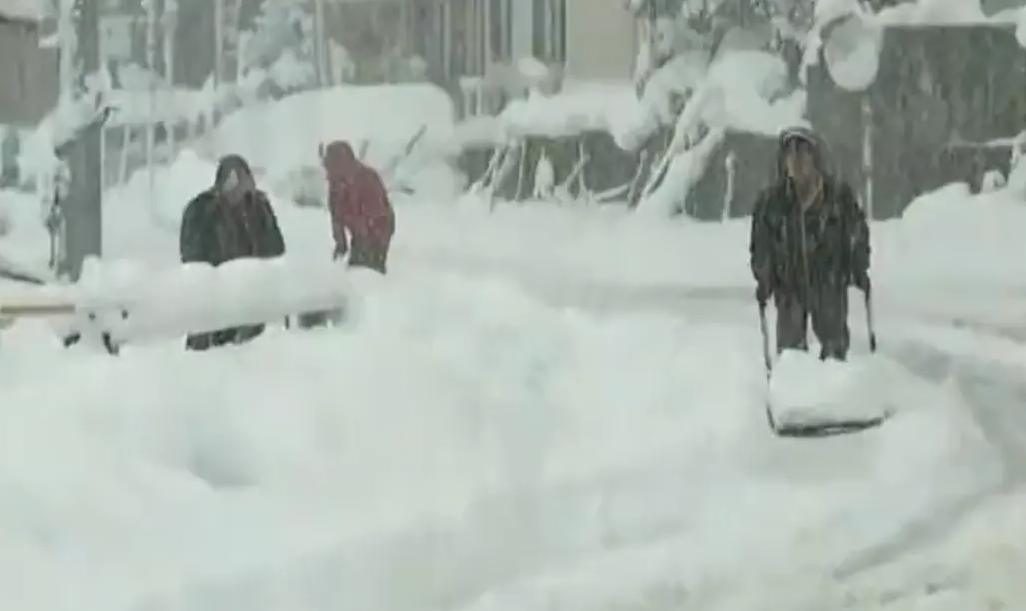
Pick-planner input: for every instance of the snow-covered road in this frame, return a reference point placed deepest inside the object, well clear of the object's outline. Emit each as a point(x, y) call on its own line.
point(469, 445)
point(977, 361)
point(484, 439)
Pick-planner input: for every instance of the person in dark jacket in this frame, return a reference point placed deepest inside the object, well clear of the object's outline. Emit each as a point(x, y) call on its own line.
point(359, 204)
point(809, 243)
point(230, 220)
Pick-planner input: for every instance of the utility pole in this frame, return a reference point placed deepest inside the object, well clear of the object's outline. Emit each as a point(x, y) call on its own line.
point(83, 204)
point(218, 44)
point(320, 45)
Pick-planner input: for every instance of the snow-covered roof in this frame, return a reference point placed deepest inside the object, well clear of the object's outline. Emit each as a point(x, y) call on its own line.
point(23, 10)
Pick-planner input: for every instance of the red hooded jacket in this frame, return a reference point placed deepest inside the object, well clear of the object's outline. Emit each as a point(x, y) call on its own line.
point(357, 199)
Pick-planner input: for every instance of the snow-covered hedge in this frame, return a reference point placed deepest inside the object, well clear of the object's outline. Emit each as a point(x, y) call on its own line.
point(607, 143)
point(591, 168)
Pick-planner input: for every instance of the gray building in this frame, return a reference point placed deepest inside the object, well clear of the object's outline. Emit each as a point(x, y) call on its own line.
point(28, 71)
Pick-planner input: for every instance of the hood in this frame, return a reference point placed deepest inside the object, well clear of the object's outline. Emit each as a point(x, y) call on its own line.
point(234, 174)
point(820, 155)
point(339, 160)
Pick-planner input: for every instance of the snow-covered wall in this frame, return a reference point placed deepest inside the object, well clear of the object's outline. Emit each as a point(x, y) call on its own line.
point(25, 10)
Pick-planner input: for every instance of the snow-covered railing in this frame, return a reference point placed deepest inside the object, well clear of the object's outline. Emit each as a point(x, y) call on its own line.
point(121, 302)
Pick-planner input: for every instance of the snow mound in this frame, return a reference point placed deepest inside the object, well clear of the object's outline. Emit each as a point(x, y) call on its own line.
point(853, 53)
point(747, 79)
point(282, 137)
point(985, 226)
point(746, 102)
point(132, 301)
point(934, 12)
point(600, 107)
point(805, 390)
point(457, 437)
point(288, 132)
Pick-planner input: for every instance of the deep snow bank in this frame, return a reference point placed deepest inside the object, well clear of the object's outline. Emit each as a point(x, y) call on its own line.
point(454, 438)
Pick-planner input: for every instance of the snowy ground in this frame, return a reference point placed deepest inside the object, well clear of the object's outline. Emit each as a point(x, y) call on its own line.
point(539, 409)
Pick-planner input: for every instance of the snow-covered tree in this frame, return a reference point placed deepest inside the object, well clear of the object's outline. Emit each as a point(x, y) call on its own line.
point(705, 27)
point(280, 42)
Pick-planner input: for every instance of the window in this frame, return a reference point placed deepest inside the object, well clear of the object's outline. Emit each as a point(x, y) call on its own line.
point(22, 78)
point(549, 30)
point(480, 33)
point(558, 29)
point(500, 29)
point(662, 8)
point(539, 30)
point(430, 37)
point(443, 30)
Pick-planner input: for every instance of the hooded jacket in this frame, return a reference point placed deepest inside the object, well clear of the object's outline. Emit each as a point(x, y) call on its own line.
point(826, 245)
point(216, 229)
point(358, 200)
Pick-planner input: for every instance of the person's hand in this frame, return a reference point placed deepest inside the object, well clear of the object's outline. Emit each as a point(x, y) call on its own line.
point(861, 281)
point(763, 292)
point(341, 250)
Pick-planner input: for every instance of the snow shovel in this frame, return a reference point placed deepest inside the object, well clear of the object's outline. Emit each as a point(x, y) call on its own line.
point(819, 429)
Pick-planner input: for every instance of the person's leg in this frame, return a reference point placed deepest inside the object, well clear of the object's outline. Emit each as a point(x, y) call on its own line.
point(247, 333)
point(792, 319)
point(369, 256)
point(829, 315)
point(198, 341)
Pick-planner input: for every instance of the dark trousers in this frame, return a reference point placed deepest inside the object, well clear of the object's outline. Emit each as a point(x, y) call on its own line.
point(224, 337)
point(370, 256)
point(827, 309)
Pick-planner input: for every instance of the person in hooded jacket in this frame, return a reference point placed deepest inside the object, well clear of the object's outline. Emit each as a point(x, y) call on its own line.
point(232, 219)
point(809, 243)
point(359, 205)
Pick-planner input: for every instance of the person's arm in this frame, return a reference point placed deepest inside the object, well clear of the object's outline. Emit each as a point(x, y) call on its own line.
point(382, 224)
point(336, 205)
point(193, 244)
point(859, 250)
point(274, 241)
point(760, 244)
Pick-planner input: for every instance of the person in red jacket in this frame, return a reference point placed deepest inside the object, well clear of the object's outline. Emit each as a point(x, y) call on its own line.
point(359, 205)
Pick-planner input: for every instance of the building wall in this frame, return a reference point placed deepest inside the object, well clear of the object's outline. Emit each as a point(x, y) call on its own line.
point(28, 74)
point(601, 40)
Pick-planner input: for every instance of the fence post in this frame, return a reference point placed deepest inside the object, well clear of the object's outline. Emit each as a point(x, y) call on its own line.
point(83, 208)
point(867, 155)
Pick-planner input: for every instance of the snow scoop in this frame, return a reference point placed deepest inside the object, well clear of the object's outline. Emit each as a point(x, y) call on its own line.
point(9, 312)
point(819, 429)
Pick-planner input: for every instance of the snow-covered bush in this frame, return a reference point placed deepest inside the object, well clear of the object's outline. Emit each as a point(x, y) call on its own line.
point(702, 30)
point(1017, 167)
point(280, 45)
point(992, 181)
point(600, 143)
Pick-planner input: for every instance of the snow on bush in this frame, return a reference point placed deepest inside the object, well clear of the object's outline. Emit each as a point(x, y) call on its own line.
point(754, 76)
point(723, 102)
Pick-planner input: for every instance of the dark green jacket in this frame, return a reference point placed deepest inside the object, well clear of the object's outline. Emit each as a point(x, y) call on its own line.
point(833, 251)
point(215, 230)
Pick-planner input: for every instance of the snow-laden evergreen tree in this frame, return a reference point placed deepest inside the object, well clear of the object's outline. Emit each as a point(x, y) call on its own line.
point(281, 42)
point(671, 28)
